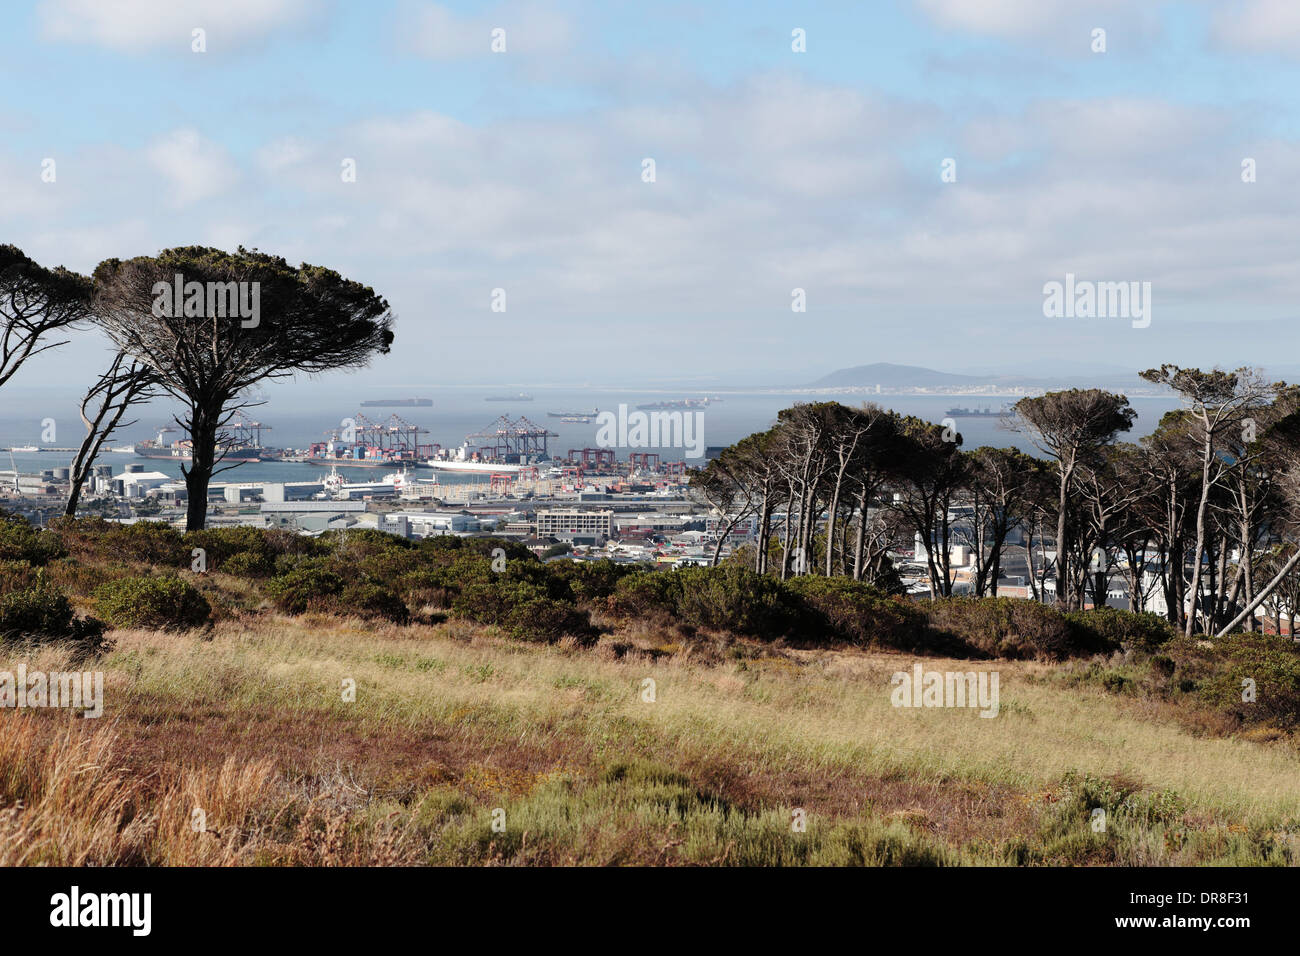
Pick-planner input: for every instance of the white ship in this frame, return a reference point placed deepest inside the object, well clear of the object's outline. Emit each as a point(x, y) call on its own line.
point(476, 467)
point(399, 482)
point(464, 461)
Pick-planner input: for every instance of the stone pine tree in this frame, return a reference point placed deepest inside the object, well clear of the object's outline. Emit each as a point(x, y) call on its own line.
point(212, 324)
point(126, 382)
point(1070, 426)
point(35, 304)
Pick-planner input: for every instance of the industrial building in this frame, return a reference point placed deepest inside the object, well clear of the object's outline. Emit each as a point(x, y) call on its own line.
point(576, 526)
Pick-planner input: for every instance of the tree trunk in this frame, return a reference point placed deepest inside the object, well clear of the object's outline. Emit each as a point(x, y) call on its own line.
point(1259, 598)
point(1062, 580)
point(1198, 553)
point(204, 425)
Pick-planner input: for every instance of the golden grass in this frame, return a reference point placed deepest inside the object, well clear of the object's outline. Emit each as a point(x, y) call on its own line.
point(450, 722)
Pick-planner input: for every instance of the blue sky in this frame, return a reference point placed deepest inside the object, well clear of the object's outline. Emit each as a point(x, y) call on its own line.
point(775, 170)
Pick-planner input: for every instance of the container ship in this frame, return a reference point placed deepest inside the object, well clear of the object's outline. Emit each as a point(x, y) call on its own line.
point(398, 403)
point(181, 451)
point(473, 467)
point(570, 416)
point(975, 413)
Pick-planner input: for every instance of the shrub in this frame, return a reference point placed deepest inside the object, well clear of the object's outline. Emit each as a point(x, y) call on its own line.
point(357, 543)
point(547, 619)
point(43, 613)
point(724, 598)
point(40, 610)
point(522, 607)
point(859, 614)
point(1106, 627)
point(151, 542)
point(373, 601)
point(16, 575)
point(308, 584)
point(1006, 627)
point(19, 541)
point(247, 551)
point(248, 564)
point(591, 580)
point(1272, 663)
point(163, 602)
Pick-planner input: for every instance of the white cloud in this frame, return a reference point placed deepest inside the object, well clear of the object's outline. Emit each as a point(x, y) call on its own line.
point(196, 168)
point(1259, 26)
point(1069, 21)
point(762, 187)
point(433, 31)
point(133, 26)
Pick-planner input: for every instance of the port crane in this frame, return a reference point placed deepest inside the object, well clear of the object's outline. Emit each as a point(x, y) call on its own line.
point(512, 440)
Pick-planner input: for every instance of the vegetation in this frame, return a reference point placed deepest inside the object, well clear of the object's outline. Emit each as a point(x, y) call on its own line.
point(166, 603)
point(1199, 518)
point(488, 681)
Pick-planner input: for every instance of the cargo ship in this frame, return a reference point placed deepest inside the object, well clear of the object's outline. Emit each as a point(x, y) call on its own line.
point(181, 451)
point(398, 403)
point(520, 397)
point(466, 459)
point(473, 467)
point(569, 416)
point(975, 413)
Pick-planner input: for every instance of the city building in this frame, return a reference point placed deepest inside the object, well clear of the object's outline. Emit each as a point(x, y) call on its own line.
point(576, 526)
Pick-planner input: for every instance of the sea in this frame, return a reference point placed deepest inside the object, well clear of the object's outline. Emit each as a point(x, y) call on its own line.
point(294, 418)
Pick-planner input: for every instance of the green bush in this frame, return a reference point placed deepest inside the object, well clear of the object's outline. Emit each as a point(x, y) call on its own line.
point(17, 575)
point(724, 598)
point(859, 614)
point(1106, 627)
point(19, 541)
point(309, 584)
point(1011, 628)
point(162, 602)
point(150, 542)
point(250, 552)
point(42, 612)
point(592, 580)
point(1272, 662)
point(248, 564)
point(373, 601)
point(524, 608)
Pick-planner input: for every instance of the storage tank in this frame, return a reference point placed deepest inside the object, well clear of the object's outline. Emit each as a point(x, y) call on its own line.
point(63, 474)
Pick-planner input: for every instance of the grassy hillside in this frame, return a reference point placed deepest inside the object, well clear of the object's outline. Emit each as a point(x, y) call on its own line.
point(452, 722)
point(502, 713)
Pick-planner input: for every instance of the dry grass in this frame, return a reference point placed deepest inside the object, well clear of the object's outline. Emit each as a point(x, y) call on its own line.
point(452, 722)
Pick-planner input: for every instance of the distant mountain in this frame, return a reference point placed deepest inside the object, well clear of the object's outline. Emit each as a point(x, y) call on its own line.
point(889, 375)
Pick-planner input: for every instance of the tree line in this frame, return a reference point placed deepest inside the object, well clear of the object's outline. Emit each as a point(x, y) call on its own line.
point(1201, 513)
point(195, 346)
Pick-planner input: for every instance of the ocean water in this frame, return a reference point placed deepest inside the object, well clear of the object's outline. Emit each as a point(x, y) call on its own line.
point(298, 417)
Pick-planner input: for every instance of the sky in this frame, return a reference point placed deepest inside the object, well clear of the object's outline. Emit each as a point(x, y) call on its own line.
point(920, 169)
